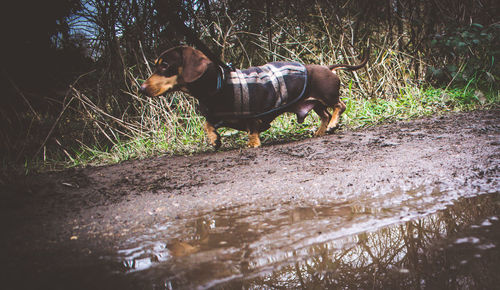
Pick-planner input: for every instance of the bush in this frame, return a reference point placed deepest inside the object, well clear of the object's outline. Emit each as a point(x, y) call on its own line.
point(467, 53)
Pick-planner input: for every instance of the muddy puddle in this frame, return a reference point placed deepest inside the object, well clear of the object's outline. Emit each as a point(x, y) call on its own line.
point(420, 238)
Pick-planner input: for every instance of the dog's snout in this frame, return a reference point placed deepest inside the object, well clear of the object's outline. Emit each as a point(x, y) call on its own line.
point(143, 88)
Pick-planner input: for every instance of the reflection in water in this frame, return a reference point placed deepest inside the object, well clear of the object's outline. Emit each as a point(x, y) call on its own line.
point(178, 248)
point(452, 249)
point(340, 245)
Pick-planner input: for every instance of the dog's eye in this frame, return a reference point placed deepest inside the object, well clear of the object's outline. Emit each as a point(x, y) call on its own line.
point(163, 65)
point(169, 71)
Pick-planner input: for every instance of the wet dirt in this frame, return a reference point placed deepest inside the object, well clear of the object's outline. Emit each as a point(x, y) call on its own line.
point(408, 204)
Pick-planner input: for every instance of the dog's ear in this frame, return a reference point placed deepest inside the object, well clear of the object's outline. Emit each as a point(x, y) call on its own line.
point(194, 65)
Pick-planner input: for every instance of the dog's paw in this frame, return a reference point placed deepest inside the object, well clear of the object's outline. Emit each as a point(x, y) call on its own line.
point(214, 139)
point(253, 140)
point(217, 144)
point(320, 132)
point(253, 143)
point(333, 129)
point(214, 142)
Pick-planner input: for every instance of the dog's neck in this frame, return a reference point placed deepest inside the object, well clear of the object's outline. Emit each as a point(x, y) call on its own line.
point(209, 84)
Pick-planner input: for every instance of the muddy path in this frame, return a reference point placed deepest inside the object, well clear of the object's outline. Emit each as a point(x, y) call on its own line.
point(241, 218)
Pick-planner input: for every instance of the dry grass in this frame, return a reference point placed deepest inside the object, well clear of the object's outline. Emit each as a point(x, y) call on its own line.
point(129, 125)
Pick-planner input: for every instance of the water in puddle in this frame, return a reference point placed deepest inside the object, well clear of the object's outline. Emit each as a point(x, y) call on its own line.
point(425, 238)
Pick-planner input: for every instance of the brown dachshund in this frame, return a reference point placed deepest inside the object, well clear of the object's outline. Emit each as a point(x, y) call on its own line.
point(249, 100)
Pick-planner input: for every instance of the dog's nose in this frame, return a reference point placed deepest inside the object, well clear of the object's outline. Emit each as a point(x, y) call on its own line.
point(143, 88)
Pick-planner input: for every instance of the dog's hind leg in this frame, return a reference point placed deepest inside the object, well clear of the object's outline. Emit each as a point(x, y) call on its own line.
point(338, 109)
point(325, 117)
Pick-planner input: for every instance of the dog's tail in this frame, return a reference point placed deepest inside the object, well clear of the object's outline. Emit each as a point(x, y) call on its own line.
point(352, 67)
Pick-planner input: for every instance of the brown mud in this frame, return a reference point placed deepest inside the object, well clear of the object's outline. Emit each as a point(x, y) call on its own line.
point(267, 217)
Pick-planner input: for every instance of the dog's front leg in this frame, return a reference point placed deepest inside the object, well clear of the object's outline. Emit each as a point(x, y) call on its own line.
point(213, 136)
point(253, 139)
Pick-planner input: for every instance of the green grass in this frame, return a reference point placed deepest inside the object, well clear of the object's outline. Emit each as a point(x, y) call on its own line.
point(183, 131)
point(413, 103)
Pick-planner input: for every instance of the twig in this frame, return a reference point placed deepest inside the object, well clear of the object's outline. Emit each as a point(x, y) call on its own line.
point(23, 97)
point(144, 58)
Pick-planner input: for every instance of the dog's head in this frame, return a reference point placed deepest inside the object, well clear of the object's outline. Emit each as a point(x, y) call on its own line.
point(174, 69)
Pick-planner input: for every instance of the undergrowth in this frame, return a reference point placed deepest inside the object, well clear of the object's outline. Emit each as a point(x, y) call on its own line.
point(135, 127)
point(184, 133)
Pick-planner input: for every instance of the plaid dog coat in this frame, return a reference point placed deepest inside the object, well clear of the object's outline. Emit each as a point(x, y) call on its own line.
point(260, 89)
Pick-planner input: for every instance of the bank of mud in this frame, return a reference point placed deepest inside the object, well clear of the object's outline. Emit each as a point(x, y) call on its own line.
point(57, 225)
